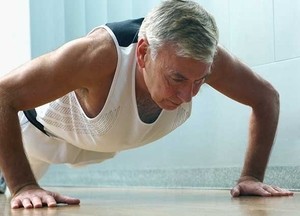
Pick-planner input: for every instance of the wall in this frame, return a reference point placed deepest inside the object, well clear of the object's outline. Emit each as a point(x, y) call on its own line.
point(15, 34)
point(208, 150)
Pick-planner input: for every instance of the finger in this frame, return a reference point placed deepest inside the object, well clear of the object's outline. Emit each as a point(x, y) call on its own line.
point(36, 202)
point(263, 192)
point(49, 200)
point(67, 200)
point(275, 191)
point(283, 192)
point(15, 203)
point(235, 192)
point(26, 203)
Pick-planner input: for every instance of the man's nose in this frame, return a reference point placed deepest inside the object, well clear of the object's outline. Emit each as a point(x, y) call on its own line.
point(185, 93)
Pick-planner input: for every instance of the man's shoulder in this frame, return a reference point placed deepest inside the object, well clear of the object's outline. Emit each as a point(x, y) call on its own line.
point(126, 31)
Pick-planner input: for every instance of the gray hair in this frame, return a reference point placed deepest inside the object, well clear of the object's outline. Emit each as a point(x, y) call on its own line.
point(183, 24)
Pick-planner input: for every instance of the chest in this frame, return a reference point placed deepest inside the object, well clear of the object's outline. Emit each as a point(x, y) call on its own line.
point(148, 111)
point(92, 104)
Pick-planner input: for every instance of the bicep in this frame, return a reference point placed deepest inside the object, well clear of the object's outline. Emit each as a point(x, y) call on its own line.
point(47, 77)
point(236, 80)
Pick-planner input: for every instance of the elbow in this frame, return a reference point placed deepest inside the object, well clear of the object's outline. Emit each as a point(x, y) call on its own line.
point(269, 101)
point(274, 97)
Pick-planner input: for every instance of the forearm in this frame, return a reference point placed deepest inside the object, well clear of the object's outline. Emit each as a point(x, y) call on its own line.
point(13, 161)
point(263, 126)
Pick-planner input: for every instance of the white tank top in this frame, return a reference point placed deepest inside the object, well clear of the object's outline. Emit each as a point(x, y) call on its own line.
point(118, 126)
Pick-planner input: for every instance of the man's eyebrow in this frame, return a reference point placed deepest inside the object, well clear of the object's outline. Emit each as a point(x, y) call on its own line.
point(181, 76)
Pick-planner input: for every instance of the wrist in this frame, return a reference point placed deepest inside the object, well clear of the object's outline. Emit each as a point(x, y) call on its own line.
point(247, 178)
point(29, 185)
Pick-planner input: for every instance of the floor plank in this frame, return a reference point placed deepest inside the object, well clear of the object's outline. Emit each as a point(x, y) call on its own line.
point(160, 202)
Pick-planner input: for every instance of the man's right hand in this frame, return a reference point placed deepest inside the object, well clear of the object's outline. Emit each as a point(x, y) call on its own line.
point(33, 196)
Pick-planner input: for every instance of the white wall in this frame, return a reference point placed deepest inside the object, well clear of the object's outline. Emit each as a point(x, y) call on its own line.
point(264, 34)
point(15, 34)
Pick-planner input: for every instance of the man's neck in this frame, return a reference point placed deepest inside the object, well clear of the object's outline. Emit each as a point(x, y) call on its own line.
point(148, 110)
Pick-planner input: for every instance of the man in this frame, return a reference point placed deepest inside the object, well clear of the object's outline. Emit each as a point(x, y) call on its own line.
point(122, 86)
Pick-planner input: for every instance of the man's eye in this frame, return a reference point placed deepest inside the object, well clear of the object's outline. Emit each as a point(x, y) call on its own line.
point(177, 80)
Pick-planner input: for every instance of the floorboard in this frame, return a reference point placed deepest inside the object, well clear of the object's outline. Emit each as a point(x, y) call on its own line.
point(159, 202)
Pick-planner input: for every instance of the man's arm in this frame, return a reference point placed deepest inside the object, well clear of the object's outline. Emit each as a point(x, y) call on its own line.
point(237, 81)
point(24, 88)
point(75, 65)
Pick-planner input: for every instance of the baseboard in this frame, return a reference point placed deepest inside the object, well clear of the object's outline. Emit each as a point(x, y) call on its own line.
point(225, 177)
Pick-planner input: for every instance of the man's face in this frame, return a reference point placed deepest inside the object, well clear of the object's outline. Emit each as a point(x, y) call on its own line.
point(173, 80)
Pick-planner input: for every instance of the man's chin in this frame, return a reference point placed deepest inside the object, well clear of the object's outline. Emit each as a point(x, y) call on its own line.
point(169, 106)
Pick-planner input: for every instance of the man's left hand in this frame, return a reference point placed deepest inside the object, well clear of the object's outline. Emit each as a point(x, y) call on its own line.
point(251, 186)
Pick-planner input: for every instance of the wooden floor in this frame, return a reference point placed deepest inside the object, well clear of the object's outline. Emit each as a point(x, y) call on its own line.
point(157, 202)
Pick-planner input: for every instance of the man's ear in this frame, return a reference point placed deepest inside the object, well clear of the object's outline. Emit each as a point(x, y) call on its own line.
point(142, 47)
